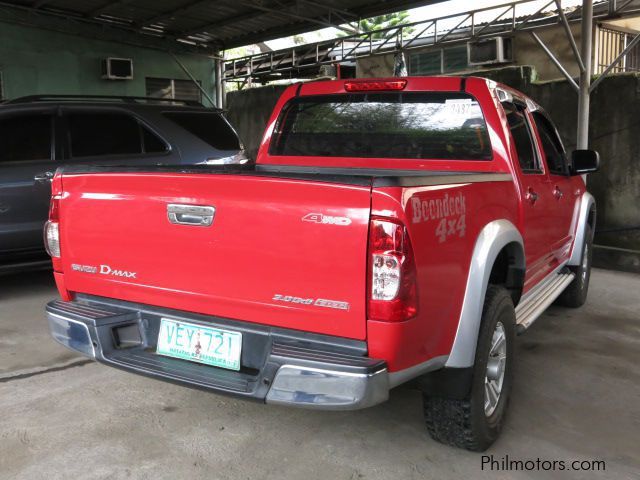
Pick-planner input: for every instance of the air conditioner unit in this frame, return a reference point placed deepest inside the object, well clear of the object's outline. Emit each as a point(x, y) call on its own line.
point(117, 68)
point(488, 51)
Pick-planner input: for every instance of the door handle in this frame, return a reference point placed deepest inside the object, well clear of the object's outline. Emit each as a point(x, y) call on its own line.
point(532, 196)
point(195, 215)
point(43, 177)
point(557, 193)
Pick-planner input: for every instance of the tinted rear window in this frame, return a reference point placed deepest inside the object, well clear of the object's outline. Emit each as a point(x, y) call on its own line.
point(110, 133)
point(103, 134)
point(434, 125)
point(210, 127)
point(25, 137)
point(522, 138)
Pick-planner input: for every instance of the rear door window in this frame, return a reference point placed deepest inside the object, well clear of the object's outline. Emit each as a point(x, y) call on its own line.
point(110, 133)
point(210, 127)
point(407, 125)
point(522, 138)
point(551, 144)
point(25, 137)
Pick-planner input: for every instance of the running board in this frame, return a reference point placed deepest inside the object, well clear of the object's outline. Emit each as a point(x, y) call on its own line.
point(540, 298)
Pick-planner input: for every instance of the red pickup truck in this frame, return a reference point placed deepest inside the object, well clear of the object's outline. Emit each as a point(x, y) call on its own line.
point(391, 230)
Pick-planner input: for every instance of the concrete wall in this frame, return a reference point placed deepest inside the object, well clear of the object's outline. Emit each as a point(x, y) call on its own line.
point(379, 66)
point(614, 132)
point(249, 110)
point(527, 52)
point(36, 61)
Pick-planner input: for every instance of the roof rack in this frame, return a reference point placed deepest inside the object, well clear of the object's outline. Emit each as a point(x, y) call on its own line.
point(102, 98)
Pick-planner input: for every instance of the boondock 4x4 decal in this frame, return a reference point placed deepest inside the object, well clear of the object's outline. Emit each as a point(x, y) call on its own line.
point(448, 211)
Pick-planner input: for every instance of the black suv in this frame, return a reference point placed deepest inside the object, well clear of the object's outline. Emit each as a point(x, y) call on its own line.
point(40, 133)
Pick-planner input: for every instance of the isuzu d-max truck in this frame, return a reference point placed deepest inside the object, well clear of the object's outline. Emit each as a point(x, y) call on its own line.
point(391, 231)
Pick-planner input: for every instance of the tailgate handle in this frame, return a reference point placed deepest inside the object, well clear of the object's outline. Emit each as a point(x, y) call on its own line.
point(201, 216)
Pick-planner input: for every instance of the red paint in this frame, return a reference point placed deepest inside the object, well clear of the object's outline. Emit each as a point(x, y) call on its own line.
point(259, 245)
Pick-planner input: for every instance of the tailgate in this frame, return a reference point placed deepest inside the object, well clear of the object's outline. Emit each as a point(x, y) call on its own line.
point(281, 252)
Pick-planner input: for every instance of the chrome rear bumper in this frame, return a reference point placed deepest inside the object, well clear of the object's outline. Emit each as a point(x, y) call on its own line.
point(328, 389)
point(284, 367)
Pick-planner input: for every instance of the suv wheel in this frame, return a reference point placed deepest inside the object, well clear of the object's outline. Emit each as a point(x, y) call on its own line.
point(475, 422)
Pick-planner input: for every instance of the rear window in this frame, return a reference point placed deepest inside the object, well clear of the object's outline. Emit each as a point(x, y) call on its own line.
point(210, 127)
point(410, 125)
point(95, 134)
point(25, 137)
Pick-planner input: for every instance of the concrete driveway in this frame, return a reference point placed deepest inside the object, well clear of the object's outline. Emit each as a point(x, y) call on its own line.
point(577, 397)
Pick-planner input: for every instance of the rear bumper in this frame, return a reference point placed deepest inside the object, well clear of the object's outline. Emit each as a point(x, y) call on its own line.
point(278, 366)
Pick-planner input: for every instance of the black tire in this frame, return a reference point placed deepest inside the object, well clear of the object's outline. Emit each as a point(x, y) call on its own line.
point(575, 294)
point(464, 423)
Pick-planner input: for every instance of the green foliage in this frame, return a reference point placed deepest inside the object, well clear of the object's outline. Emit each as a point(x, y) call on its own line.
point(385, 21)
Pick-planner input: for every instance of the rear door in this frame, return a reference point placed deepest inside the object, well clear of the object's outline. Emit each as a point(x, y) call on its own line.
point(537, 198)
point(27, 161)
point(564, 202)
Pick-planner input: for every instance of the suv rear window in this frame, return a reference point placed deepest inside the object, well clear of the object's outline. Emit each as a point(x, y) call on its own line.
point(210, 127)
point(94, 134)
point(110, 133)
point(410, 125)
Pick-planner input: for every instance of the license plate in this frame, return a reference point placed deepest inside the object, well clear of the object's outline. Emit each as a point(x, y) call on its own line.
point(211, 346)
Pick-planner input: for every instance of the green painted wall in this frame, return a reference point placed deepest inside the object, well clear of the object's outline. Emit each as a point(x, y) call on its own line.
point(35, 61)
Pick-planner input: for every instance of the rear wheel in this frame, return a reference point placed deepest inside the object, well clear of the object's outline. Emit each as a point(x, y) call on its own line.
point(575, 294)
point(474, 422)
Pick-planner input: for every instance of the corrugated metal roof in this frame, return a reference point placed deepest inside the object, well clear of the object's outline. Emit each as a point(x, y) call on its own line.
point(199, 24)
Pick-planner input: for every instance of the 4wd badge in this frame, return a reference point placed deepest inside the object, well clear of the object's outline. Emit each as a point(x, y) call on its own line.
point(326, 219)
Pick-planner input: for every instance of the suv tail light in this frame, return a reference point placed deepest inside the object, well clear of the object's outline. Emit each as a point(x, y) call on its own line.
point(392, 273)
point(51, 228)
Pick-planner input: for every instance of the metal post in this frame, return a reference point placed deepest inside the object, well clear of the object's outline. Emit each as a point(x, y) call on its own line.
point(567, 30)
point(220, 93)
point(585, 76)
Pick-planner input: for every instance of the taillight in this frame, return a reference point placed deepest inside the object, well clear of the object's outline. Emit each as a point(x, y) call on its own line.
point(392, 273)
point(51, 228)
point(373, 85)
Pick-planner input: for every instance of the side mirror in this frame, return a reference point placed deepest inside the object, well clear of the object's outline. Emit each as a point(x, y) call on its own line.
point(584, 161)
